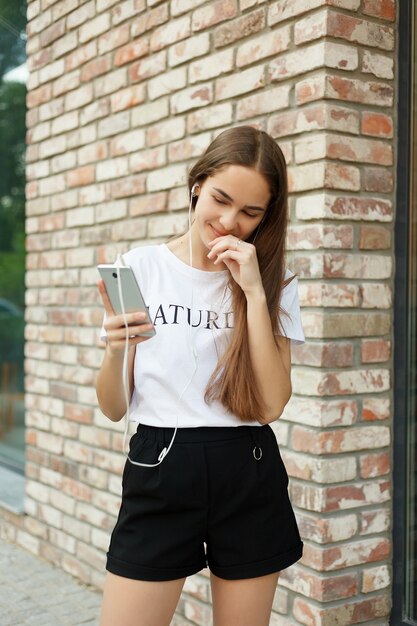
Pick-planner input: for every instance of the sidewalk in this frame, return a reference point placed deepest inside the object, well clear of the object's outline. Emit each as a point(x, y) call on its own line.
point(36, 593)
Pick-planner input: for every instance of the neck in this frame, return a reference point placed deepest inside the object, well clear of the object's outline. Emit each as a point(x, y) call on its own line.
point(181, 248)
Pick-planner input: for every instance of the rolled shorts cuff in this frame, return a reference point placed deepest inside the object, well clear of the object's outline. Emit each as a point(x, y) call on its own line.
point(260, 568)
point(142, 572)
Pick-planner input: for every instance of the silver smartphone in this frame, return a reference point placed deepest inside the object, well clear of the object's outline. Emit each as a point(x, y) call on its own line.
point(131, 293)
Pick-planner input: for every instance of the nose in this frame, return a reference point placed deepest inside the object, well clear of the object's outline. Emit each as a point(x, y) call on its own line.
point(228, 221)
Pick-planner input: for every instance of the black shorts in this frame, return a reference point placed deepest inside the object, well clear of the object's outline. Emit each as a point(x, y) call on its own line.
point(220, 488)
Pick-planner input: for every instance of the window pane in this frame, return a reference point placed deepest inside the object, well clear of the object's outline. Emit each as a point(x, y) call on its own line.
point(411, 535)
point(12, 272)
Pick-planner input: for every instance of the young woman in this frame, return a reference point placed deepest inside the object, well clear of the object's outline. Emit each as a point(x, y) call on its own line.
point(225, 309)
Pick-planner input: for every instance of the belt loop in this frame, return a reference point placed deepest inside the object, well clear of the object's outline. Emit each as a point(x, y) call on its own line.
point(257, 450)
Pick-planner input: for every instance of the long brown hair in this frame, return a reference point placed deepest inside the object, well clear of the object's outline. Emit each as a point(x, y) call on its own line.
point(233, 380)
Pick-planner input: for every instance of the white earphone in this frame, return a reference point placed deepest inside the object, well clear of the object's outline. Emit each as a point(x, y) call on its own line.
point(119, 263)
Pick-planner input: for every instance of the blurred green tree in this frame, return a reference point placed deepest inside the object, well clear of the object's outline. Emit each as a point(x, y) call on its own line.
point(12, 178)
point(12, 34)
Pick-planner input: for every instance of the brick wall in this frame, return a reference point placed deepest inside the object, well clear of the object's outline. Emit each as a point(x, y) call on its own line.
point(123, 97)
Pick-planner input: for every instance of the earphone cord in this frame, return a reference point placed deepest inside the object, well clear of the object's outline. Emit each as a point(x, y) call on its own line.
point(125, 372)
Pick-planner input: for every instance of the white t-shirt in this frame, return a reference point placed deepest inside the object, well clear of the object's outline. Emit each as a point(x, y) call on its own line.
point(164, 364)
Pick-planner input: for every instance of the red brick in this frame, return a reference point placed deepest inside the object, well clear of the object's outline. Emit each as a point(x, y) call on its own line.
point(127, 143)
point(375, 350)
point(345, 207)
point(64, 391)
point(64, 45)
point(265, 102)
point(319, 470)
point(51, 222)
point(372, 465)
point(94, 68)
point(319, 175)
point(340, 440)
point(213, 14)
point(148, 159)
point(81, 55)
point(353, 90)
point(128, 186)
point(152, 203)
point(346, 555)
point(311, 27)
point(125, 10)
point(191, 98)
point(340, 265)
point(133, 50)
point(263, 46)
point(35, 97)
point(376, 124)
point(378, 179)
point(169, 33)
point(114, 38)
point(149, 20)
point(80, 16)
point(93, 152)
point(238, 29)
point(329, 295)
point(380, 65)
point(324, 354)
point(310, 89)
point(165, 132)
point(94, 27)
point(319, 236)
point(361, 31)
point(338, 176)
point(325, 530)
point(54, 32)
point(319, 588)
point(290, 122)
point(384, 9)
point(374, 238)
point(147, 67)
point(189, 49)
point(188, 148)
point(127, 98)
point(375, 578)
point(40, 59)
point(347, 613)
point(360, 150)
point(376, 296)
point(375, 409)
point(375, 521)
point(81, 176)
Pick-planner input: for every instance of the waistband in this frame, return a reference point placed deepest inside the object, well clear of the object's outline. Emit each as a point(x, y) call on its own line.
point(202, 434)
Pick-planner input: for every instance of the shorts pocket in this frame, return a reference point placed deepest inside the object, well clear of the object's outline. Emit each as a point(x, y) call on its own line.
point(138, 442)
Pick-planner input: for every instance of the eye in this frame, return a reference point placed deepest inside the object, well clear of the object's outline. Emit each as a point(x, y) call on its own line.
point(250, 214)
point(217, 200)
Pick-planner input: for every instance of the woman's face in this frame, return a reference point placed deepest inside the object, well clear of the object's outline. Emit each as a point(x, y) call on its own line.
point(231, 202)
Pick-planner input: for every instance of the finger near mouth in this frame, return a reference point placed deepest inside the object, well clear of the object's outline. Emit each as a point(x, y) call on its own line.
point(216, 233)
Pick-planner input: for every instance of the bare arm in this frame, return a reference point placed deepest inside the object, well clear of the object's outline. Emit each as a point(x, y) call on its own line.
point(109, 384)
point(271, 366)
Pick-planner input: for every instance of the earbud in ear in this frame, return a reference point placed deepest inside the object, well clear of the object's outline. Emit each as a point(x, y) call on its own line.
point(193, 193)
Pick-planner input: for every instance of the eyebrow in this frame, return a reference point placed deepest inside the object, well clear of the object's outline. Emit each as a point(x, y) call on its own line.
point(247, 206)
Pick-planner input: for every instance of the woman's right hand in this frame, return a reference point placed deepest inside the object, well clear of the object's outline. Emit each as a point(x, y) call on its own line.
point(115, 326)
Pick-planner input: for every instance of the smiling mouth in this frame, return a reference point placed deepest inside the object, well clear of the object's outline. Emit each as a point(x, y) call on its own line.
point(217, 233)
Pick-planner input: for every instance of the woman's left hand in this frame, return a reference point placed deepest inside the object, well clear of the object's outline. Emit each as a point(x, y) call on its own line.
point(240, 259)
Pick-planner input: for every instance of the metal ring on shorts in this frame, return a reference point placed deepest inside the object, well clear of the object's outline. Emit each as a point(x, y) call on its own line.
point(257, 458)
